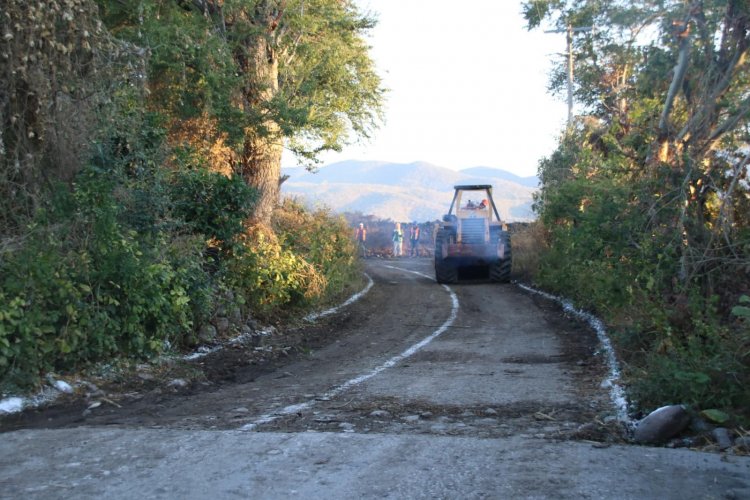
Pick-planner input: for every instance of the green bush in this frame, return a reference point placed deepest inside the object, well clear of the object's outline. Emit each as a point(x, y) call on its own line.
point(703, 366)
point(269, 277)
point(212, 204)
point(308, 258)
point(681, 337)
point(86, 288)
point(322, 239)
point(95, 280)
point(590, 256)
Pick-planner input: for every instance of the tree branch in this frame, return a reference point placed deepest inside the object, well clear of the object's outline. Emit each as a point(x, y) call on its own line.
point(679, 75)
point(730, 122)
point(710, 104)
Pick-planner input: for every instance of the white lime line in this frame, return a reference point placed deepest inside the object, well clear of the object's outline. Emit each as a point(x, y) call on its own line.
point(413, 272)
point(296, 408)
point(48, 394)
point(350, 300)
point(205, 350)
point(616, 391)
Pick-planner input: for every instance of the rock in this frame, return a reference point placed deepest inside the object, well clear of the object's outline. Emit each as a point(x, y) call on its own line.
point(207, 333)
point(380, 414)
point(681, 443)
point(722, 437)
point(222, 324)
point(743, 443)
point(92, 389)
point(178, 383)
point(221, 310)
point(412, 418)
point(235, 316)
point(63, 386)
point(587, 427)
point(439, 429)
point(662, 424)
point(699, 425)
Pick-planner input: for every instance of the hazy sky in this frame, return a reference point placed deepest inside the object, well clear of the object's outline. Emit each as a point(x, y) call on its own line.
point(467, 86)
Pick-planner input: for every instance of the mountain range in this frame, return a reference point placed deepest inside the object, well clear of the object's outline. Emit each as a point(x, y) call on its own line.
point(404, 192)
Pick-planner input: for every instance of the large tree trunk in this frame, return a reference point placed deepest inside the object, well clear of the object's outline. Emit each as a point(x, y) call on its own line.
point(261, 168)
point(261, 156)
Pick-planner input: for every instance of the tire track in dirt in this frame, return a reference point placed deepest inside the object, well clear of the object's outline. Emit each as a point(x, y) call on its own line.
point(336, 391)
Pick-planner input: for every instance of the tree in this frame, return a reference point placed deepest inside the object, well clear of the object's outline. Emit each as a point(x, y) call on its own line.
point(667, 82)
point(58, 68)
point(307, 77)
point(645, 203)
point(259, 73)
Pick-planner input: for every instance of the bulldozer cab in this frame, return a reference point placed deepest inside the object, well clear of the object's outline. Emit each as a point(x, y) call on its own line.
point(475, 201)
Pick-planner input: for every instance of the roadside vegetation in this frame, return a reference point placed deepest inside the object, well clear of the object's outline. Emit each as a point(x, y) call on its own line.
point(644, 210)
point(140, 149)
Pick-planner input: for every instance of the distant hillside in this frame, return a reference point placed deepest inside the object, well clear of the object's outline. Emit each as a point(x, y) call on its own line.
point(495, 173)
point(405, 191)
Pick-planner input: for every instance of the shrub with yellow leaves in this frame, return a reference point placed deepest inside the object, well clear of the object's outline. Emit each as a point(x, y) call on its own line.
point(270, 277)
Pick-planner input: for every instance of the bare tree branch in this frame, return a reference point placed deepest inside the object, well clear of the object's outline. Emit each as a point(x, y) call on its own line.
point(730, 122)
point(679, 75)
point(710, 104)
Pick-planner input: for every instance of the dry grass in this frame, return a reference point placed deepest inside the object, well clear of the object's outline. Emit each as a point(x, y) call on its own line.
point(529, 241)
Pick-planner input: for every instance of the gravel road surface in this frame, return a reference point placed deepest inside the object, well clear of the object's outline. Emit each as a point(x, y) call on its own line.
point(417, 390)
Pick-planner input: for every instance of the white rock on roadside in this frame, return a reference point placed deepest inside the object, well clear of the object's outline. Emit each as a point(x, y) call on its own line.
point(662, 424)
point(63, 386)
point(11, 405)
point(178, 383)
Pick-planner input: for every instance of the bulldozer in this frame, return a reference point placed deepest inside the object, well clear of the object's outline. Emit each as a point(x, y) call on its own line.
point(472, 241)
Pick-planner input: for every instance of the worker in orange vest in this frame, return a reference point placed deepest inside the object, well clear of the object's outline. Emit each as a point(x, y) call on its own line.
point(414, 240)
point(361, 239)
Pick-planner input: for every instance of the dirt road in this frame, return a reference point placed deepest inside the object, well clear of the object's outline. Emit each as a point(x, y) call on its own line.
point(417, 390)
